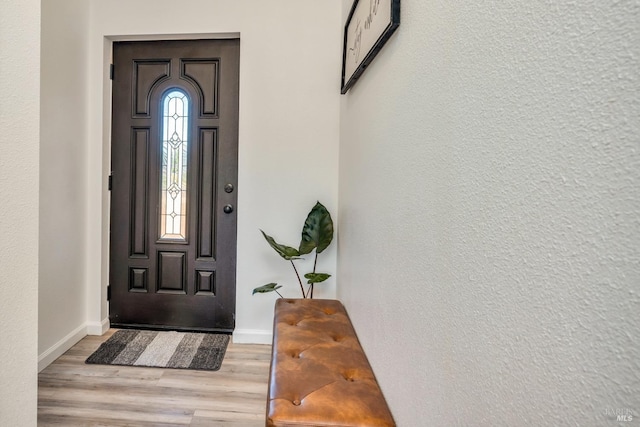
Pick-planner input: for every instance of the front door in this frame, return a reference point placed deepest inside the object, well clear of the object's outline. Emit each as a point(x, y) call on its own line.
point(173, 187)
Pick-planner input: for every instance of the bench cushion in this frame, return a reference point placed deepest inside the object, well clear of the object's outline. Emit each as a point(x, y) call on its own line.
point(319, 374)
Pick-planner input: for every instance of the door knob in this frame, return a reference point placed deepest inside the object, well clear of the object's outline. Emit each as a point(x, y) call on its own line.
point(228, 209)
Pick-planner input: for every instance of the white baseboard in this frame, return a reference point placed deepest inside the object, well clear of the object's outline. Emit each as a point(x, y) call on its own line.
point(98, 328)
point(252, 336)
point(58, 349)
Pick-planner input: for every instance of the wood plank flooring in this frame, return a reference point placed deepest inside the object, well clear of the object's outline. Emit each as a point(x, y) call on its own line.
point(72, 393)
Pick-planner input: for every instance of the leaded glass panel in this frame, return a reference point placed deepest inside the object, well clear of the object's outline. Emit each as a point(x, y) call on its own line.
point(173, 186)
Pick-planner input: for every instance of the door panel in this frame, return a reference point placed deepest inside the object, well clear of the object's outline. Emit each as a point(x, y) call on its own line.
point(174, 151)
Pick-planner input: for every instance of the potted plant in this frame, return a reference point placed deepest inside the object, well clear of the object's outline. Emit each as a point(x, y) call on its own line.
point(317, 234)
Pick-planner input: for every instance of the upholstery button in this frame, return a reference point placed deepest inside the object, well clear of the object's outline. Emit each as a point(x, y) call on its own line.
point(348, 376)
point(296, 402)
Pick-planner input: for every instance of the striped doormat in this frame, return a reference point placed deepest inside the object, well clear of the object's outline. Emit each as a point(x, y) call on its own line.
point(162, 349)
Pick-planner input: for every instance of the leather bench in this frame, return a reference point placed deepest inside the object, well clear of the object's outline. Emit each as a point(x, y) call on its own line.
point(319, 374)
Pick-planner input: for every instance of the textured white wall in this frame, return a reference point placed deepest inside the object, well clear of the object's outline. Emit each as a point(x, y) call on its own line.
point(289, 125)
point(19, 117)
point(490, 212)
point(63, 177)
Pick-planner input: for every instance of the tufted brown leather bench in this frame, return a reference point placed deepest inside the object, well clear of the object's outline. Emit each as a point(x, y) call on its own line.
point(319, 373)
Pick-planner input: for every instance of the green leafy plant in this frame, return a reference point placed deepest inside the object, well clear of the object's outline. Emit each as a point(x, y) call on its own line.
point(317, 234)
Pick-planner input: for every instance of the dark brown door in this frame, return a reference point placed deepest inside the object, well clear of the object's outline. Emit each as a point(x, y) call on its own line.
point(174, 174)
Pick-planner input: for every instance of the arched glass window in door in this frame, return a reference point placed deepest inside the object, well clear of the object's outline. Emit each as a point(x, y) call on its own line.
point(173, 185)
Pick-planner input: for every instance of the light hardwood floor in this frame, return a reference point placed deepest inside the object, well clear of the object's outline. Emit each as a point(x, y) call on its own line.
point(71, 393)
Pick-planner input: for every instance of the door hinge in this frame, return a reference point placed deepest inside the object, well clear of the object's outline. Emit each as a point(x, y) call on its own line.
point(108, 292)
point(111, 71)
point(110, 183)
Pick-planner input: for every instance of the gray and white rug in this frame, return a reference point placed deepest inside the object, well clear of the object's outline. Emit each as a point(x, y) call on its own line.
point(162, 349)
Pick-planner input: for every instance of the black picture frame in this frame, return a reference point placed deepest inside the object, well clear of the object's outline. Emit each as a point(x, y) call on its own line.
point(368, 26)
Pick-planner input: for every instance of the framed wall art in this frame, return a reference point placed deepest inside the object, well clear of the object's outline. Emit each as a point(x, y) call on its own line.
point(368, 27)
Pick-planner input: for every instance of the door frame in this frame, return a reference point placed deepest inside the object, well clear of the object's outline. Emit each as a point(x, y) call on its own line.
point(192, 278)
point(99, 168)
